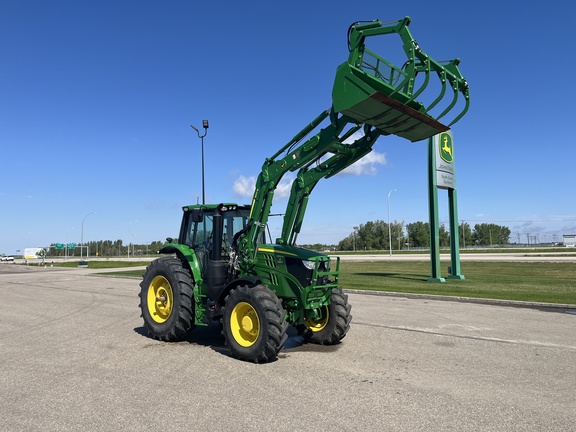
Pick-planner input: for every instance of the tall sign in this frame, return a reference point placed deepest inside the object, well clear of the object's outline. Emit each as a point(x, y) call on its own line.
point(442, 175)
point(445, 161)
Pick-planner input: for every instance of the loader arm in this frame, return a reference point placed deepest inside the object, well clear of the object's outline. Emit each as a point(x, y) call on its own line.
point(369, 93)
point(297, 156)
point(307, 178)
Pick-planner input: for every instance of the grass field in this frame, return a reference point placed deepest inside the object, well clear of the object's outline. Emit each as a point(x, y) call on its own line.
point(519, 281)
point(103, 264)
point(521, 251)
point(532, 282)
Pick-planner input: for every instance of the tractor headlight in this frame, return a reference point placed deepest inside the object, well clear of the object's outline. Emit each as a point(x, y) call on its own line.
point(309, 264)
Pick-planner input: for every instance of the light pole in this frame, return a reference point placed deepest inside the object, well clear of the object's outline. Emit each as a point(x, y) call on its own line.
point(82, 235)
point(132, 238)
point(205, 126)
point(389, 235)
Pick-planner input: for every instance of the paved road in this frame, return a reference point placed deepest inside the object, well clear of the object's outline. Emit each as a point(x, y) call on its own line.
point(569, 256)
point(75, 357)
point(515, 256)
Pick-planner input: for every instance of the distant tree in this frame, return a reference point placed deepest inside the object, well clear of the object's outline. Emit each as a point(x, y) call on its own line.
point(117, 248)
point(373, 236)
point(397, 234)
point(418, 234)
point(490, 234)
point(444, 236)
point(318, 247)
point(346, 244)
point(155, 246)
point(466, 238)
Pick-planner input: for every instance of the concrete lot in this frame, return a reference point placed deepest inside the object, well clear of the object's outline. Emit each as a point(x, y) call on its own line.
point(75, 357)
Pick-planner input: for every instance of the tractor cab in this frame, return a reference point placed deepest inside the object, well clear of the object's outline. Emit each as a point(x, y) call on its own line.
point(211, 231)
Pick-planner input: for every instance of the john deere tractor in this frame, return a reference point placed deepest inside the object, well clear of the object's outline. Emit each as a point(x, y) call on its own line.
point(223, 268)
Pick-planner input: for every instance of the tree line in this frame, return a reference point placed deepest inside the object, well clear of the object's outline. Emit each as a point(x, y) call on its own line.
point(367, 236)
point(107, 248)
point(375, 236)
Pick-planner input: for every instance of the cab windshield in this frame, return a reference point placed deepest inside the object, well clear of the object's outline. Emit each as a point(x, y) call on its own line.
point(200, 233)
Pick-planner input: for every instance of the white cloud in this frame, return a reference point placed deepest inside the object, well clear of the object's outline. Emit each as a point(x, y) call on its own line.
point(284, 187)
point(367, 165)
point(244, 186)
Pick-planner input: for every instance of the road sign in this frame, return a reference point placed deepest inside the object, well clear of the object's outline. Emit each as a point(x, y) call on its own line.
point(58, 246)
point(70, 245)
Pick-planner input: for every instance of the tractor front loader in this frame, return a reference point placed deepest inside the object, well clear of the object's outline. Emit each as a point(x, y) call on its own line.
point(222, 267)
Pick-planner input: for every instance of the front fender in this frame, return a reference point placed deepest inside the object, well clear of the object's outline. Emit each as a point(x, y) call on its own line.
point(246, 280)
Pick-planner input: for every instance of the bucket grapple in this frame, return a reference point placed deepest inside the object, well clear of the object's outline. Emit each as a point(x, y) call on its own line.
point(372, 90)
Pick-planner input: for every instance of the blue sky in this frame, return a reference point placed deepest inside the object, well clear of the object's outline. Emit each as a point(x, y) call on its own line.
point(96, 99)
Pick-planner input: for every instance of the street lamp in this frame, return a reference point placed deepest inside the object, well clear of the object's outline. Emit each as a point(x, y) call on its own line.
point(132, 237)
point(205, 126)
point(82, 235)
point(389, 235)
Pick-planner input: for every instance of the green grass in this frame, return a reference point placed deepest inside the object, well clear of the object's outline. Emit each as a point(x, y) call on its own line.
point(103, 264)
point(531, 282)
point(444, 250)
point(128, 273)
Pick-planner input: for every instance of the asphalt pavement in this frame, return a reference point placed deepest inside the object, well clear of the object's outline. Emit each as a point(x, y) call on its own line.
point(75, 356)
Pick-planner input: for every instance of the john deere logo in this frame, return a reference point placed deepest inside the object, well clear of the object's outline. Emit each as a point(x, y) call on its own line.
point(446, 148)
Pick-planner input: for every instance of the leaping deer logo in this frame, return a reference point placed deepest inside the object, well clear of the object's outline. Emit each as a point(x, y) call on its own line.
point(446, 148)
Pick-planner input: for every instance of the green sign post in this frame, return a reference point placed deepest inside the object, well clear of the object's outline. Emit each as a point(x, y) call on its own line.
point(58, 246)
point(442, 175)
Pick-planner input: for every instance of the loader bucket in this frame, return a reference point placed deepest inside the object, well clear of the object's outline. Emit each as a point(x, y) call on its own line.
point(393, 99)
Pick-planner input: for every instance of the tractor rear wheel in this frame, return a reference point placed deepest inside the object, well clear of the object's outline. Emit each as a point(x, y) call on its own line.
point(334, 321)
point(167, 299)
point(254, 323)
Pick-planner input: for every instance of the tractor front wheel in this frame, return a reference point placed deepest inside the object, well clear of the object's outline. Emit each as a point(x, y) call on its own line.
point(254, 323)
point(333, 323)
point(166, 299)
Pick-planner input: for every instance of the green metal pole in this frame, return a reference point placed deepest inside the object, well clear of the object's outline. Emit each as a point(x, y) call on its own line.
point(454, 236)
point(433, 212)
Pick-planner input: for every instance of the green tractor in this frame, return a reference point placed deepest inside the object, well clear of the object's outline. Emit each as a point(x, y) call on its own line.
point(223, 268)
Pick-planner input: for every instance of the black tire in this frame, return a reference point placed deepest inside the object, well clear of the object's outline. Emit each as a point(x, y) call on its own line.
point(254, 323)
point(167, 299)
point(334, 323)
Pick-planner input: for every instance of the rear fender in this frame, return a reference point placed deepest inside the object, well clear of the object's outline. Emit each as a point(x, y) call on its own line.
point(186, 255)
point(190, 260)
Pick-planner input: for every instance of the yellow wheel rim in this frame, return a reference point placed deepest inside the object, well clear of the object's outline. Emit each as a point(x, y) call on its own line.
point(318, 325)
point(160, 299)
point(245, 324)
